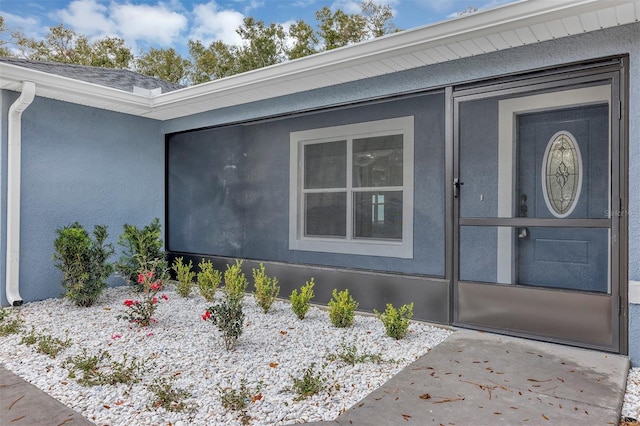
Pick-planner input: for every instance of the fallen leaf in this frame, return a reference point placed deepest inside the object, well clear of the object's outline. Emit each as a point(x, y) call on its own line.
point(273, 364)
point(107, 309)
point(497, 413)
point(107, 407)
point(545, 417)
point(425, 396)
point(64, 383)
point(406, 416)
point(120, 402)
point(283, 332)
point(257, 397)
point(539, 381)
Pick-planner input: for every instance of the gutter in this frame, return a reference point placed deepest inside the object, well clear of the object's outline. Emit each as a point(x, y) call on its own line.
point(12, 282)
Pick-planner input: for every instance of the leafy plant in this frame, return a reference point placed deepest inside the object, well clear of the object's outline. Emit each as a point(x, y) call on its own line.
point(300, 303)
point(45, 344)
point(142, 251)
point(166, 396)
point(239, 399)
point(141, 311)
point(349, 355)
point(342, 309)
point(100, 369)
point(235, 282)
point(9, 325)
point(184, 275)
point(229, 318)
point(266, 289)
point(312, 382)
point(208, 280)
point(396, 321)
point(83, 262)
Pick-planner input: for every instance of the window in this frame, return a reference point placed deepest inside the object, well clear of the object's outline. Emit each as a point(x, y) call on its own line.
point(352, 189)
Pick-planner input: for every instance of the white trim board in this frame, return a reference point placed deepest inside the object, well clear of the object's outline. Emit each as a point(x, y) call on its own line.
point(634, 292)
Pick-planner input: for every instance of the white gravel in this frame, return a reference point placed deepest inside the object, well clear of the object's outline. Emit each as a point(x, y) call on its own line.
point(273, 348)
point(631, 407)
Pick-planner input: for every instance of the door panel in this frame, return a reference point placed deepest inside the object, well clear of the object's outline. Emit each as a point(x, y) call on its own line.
point(556, 257)
point(533, 236)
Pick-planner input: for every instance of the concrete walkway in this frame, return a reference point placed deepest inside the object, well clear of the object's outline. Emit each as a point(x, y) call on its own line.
point(475, 378)
point(472, 378)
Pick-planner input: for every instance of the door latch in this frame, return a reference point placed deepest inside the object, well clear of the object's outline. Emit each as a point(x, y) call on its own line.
point(456, 186)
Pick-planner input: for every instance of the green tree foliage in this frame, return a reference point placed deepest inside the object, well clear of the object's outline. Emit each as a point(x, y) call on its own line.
point(165, 64)
point(262, 45)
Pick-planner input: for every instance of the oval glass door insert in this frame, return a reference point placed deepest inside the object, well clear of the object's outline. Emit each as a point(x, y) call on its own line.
point(562, 174)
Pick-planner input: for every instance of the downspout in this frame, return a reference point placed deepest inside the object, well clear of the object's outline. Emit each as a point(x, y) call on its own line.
point(12, 282)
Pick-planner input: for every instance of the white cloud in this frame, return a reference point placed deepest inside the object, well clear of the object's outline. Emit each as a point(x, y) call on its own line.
point(211, 24)
point(153, 24)
point(87, 17)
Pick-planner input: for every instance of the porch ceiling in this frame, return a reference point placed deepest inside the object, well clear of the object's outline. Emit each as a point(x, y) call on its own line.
point(518, 24)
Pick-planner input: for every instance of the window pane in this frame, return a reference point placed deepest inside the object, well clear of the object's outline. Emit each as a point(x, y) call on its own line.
point(377, 161)
point(325, 165)
point(378, 214)
point(326, 214)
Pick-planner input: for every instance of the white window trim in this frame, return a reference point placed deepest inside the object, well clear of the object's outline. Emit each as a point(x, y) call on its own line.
point(368, 247)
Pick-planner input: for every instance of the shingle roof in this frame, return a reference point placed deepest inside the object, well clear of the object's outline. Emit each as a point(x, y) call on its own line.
point(110, 77)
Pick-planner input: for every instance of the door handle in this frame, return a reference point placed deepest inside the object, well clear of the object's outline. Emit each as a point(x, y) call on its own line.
point(456, 187)
point(523, 233)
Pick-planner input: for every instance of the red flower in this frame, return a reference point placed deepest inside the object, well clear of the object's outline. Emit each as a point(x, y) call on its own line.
point(206, 315)
point(149, 274)
point(129, 302)
point(141, 278)
point(155, 286)
point(164, 296)
point(154, 300)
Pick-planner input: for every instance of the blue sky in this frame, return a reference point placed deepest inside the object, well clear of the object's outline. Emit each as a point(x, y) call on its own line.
point(171, 23)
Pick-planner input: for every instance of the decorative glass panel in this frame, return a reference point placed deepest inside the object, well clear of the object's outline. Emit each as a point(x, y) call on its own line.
point(326, 214)
point(562, 174)
point(325, 165)
point(377, 161)
point(378, 215)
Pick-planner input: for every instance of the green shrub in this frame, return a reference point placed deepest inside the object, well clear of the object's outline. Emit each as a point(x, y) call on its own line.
point(396, 321)
point(101, 370)
point(83, 262)
point(300, 303)
point(229, 318)
point(349, 354)
point(142, 251)
point(235, 282)
point(266, 289)
point(342, 309)
point(184, 275)
point(208, 280)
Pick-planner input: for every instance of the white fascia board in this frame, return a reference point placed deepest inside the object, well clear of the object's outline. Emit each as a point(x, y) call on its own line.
point(71, 90)
point(503, 18)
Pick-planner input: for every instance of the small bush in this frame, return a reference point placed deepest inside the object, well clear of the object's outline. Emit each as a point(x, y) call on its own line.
point(184, 275)
point(208, 280)
point(266, 289)
point(396, 321)
point(229, 318)
point(9, 325)
point(235, 282)
point(166, 396)
point(342, 309)
point(300, 303)
point(311, 382)
point(142, 251)
point(83, 262)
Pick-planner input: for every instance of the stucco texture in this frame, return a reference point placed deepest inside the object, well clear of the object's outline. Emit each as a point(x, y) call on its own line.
point(80, 164)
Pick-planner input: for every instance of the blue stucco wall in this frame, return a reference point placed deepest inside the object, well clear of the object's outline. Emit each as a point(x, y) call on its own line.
point(634, 334)
point(229, 189)
point(79, 164)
